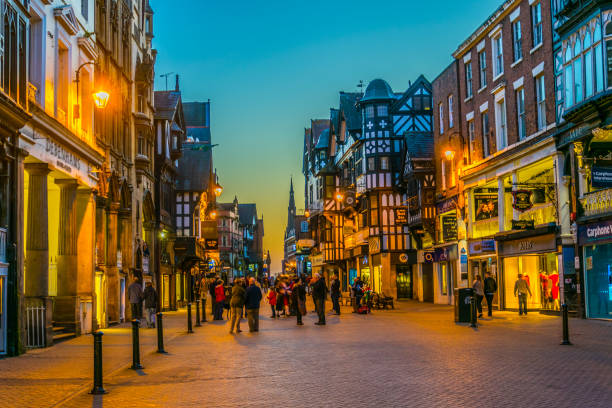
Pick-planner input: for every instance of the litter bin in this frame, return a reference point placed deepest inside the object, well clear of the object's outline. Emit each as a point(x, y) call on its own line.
point(462, 304)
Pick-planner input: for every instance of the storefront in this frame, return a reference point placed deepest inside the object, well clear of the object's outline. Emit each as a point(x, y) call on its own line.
point(445, 272)
point(482, 259)
point(596, 242)
point(403, 273)
point(535, 259)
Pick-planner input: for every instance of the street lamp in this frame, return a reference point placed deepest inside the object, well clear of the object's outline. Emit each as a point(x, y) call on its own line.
point(449, 154)
point(339, 196)
point(218, 190)
point(100, 97)
point(307, 213)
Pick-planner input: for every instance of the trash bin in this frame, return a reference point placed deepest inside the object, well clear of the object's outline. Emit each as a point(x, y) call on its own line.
point(462, 304)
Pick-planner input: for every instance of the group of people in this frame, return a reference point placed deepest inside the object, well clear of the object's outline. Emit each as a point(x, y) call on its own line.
point(137, 297)
point(487, 288)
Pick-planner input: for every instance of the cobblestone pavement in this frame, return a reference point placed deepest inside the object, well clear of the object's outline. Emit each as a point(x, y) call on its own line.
point(414, 356)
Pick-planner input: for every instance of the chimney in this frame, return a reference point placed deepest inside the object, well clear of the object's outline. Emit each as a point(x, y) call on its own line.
point(176, 87)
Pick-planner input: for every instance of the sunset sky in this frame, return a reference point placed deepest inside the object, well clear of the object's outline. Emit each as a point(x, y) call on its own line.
point(268, 67)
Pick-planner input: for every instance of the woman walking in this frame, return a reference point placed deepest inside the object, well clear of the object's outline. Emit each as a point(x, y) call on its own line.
point(219, 299)
point(271, 297)
point(236, 305)
point(479, 293)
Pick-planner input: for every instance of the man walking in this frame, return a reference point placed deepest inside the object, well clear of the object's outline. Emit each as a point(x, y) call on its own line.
point(490, 287)
point(521, 288)
point(335, 294)
point(357, 294)
point(204, 288)
point(236, 305)
point(150, 303)
point(319, 293)
point(135, 297)
point(252, 302)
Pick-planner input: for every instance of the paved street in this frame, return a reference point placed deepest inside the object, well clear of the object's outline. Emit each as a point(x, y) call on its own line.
point(415, 356)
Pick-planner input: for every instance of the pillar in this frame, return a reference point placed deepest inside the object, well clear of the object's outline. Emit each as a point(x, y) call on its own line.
point(112, 278)
point(85, 257)
point(100, 297)
point(125, 246)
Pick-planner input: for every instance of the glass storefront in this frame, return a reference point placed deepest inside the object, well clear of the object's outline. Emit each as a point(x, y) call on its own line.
point(598, 270)
point(541, 272)
point(404, 281)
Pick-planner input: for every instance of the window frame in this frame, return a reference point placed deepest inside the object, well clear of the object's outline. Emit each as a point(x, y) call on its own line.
point(498, 54)
point(451, 122)
point(521, 122)
point(469, 91)
point(536, 25)
point(482, 68)
point(540, 85)
point(441, 117)
point(517, 41)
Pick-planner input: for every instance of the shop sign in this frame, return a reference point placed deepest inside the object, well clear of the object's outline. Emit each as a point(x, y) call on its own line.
point(479, 247)
point(426, 257)
point(449, 228)
point(317, 260)
point(600, 232)
point(523, 224)
point(211, 244)
point(401, 215)
point(209, 229)
point(601, 177)
point(404, 258)
point(446, 205)
point(539, 244)
point(522, 200)
point(486, 207)
point(445, 254)
point(65, 159)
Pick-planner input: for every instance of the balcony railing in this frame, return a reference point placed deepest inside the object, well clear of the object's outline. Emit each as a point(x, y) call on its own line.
point(597, 202)
point(2, 244)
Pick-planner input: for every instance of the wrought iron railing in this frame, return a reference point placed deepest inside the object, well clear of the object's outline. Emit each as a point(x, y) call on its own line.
point(35, 325)
point(597, 202)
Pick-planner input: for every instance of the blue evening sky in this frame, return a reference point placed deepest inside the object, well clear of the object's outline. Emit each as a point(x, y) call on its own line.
point(268, 67)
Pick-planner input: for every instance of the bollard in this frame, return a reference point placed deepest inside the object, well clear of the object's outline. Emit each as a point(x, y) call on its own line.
point(198, 313)
point(136, 345)
point(473, 311)
point(189, 323)
point(566, 341)
point(160, 334)
point(97, 385)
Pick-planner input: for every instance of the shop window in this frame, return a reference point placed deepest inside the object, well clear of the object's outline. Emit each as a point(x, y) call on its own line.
point(485, 212)
point(598, 269)
point(541, 273)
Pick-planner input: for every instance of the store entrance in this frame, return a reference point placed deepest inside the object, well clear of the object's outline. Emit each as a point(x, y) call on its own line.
point(541, 273)
point(428, 292)
point(404, 282)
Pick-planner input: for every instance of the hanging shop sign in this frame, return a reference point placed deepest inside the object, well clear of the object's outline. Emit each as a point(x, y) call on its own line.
point(538, 244)
point(523, 224)
point(401, 215)
point(601, 177)
point(447, 205)
point(211, 244)
point(522, 200)
point(479, 247)
point(425, 256)
point(404, 257)
point(595, 233)
point(449, 228)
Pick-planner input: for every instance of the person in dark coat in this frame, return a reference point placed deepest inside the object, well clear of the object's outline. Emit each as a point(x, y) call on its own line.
point(357, 294)
point(135, 297)
point(150, 304)
point(335, 294)
point(490, 287)
point(252, 303)
point(236, 304)
point(298, 300)
point(319, 294)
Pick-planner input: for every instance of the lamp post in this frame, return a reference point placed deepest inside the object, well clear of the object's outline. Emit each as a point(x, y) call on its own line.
point(100, 97)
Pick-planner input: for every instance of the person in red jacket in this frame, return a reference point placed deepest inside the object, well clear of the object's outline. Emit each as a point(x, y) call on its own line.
point(271, 296)
point(219, 299)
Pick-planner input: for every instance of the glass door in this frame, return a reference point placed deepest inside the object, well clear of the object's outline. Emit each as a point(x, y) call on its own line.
point(404, 282)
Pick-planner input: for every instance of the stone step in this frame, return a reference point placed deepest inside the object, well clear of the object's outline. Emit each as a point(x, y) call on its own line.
point(58, 329)
point(63, 336)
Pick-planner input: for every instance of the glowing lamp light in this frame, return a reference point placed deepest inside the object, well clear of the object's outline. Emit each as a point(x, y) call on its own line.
point(218, 190)
point(101, 99)
point(449, 154)
point(162, 234)
point(339, 197)
point(213, 215)
point(307, 214)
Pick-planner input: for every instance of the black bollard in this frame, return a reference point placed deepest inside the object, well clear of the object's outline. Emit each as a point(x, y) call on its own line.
point(136, 345)
point(198, 313)
point(566, 341)
point(160, 334)
point(189, 323)
point(97, 385)
point(473, 311)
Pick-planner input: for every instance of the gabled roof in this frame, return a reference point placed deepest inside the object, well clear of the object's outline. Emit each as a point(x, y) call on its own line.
point(421, 81)
point(318, 126)
point(166, 103)
point(420, 145)
point(349, 110)
point(247, 213)
point(194, 168)
point(323, 142)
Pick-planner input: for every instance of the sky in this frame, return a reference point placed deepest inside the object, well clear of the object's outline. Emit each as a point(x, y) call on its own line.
point(268, 67)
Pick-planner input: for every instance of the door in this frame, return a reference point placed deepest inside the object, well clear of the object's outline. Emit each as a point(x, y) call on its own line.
point(428, 286)
point(404, 282)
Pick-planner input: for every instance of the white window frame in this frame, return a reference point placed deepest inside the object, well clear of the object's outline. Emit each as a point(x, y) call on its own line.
point(541, 101)
point(482, 69)
point(536, 26)
point(469, 80)
point(441, 117)
point(451, 122)
point(521, 120)
point(517, 41)
point(471, 135)
point(501, 123)
point(498, 55)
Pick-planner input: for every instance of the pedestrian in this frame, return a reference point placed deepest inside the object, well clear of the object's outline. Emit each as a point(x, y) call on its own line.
point(219, 299)
point(319, 294)
point(279, 299)
point(335, 293)
point(211, 292)
point(490, 287)
point(271, 298)
point(478, 293)
point(204, 288)
point(298, 297)
point(357, 294)
point(252, 302)
point(150, 303)
point(521, 289)
point(135, 297)
point(236, 305)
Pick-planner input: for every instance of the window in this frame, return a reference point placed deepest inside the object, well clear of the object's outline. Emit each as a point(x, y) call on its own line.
point(608, 32)
point(369, 111)
point(536, 19)
point(381, 110)
point(569, 78)
point(485, 134)
point(471, 137)
point(450, 111)
point(541, 102)
point(141, 145)
point(482, 63)
point(371, 164)
point(85, 9)
point(384, 163)
point(441, 117)
point(468, 79)
point(520, 113)
point(517, 40)
point(500, 119)
point(37, 63)
point(588, 73)
point(498, 55)
point(599, 80)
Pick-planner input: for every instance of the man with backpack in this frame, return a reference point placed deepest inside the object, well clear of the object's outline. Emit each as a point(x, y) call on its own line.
point(490, 287)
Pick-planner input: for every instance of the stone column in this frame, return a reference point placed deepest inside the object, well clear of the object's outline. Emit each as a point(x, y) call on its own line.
point(125, 241)
point(85, 256)
point(66, 308)
point(37, 238)
point(112, 280)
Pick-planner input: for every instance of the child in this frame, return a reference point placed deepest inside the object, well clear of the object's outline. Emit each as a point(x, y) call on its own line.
point(271, 296)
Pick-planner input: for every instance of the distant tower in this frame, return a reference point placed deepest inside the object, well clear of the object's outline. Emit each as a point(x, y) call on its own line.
point(291, 208)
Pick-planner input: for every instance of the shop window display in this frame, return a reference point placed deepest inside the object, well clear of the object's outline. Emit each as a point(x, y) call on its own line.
point(598, 266)
point(541, 272)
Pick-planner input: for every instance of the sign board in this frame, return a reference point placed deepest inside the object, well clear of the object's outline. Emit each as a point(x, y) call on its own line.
point(445, 254)
point(401, 215)
point(447, 205)
point(523, 224)
point(601, 177)
point(595, 233)
point(522, 200)
point(211, 244)
point(479, 247)
point(449, 228)
point(486, 207)
point(425, 257)
point(209, 229)
point(530, 245)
